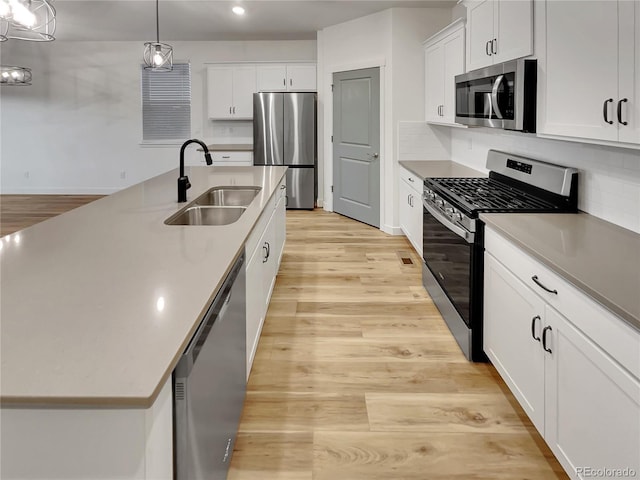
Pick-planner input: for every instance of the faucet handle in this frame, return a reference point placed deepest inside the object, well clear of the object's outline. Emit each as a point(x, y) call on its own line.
point(183, 186)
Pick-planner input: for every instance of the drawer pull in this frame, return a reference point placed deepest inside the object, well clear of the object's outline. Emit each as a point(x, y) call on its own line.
point(546, 289)
point(544, 339)
point(226, 156)
point(533, 328)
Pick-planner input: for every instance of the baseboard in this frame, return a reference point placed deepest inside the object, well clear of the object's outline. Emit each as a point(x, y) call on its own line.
point(392, 230)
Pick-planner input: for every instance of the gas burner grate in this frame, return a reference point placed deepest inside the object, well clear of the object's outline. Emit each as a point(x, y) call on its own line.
point(490, 194)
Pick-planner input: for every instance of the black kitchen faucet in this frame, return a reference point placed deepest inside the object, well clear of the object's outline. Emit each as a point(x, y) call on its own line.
point(183, 180)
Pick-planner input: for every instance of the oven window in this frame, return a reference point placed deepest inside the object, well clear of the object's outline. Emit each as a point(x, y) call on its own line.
point(449, 258)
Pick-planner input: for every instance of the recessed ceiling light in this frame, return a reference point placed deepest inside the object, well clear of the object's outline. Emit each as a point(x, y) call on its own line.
point(238, 10)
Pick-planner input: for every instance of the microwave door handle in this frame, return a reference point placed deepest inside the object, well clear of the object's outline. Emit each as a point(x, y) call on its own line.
point(494, 96)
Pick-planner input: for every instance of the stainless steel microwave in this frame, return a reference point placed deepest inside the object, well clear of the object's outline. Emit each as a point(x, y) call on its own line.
point(499, 96)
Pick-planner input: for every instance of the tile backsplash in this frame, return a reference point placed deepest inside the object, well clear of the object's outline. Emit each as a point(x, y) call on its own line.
point(418, 141)
point(231, 131)
point(609, 178)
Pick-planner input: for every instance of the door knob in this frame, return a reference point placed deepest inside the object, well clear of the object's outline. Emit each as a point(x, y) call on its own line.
point(375, 155)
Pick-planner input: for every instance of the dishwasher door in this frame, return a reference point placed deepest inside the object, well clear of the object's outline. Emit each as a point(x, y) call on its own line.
point(209, 386)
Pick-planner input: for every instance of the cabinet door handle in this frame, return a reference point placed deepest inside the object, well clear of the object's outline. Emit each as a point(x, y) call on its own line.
point(268, 249)
point(624, 100)
point(291, 82)
point(605, 111)
point(486, 48)
point(282, 187)
point(226, 156)
point(533, 327)
point(410, 200)
point(545, 330)
point(284, 82)
point(542, 286)
point(286, 200)
point(234, 110)
point(229, 110)
point(265, 253)
point(494, 46)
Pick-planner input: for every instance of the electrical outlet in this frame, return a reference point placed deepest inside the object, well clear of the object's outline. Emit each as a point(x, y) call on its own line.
point(27, 174)
point(470, 144)
point(123, 174)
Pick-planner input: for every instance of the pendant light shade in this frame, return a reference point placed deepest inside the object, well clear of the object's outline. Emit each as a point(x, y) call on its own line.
point(157, 56)
point(15, 75)
point(31, 20)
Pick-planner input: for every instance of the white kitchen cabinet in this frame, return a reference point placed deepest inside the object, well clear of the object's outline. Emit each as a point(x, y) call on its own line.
point(230, 90)
point(264, 250)
point(443, 59)
point(593, 96)
point(572, 365)
point(410, 191)
point(497, 31)
point(511, 338)
point(286, 77)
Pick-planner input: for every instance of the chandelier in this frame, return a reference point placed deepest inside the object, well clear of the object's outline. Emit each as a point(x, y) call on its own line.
point(157, 56)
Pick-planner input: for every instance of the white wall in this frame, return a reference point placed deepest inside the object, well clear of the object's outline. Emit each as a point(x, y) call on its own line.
point(78, 128)
point(390, 40)
point(609, 185)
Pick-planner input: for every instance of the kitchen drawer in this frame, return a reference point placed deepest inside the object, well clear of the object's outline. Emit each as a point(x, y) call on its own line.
point(413, 180)
point(258, 230)
point(612, 334)
point(238, 159)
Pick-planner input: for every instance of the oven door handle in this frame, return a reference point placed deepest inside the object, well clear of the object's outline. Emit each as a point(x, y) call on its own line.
point(494, 96)
point(461, 232)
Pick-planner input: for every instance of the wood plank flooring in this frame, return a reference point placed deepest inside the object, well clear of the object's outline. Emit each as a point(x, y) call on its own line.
point(356, 375)
point(22, 211)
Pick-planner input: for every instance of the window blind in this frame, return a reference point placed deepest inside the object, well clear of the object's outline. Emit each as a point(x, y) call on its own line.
point(166, 104)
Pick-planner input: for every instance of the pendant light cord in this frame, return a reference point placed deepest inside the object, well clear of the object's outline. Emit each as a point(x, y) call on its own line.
point(157, 22)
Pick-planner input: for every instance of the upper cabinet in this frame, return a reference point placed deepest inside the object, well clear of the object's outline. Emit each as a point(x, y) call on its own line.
point(299, 77)
point(591, 63)
point(443, 60)
point(497, 31)
point(230, 90)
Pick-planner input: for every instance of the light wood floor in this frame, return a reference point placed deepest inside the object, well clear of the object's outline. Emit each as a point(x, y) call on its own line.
point(356, 375)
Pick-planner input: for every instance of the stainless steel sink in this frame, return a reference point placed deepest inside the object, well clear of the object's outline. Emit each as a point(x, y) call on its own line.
point(231, 196)
point(205, 215)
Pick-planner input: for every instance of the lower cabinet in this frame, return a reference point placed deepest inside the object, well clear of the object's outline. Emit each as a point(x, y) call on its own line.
point(410, 198)
point(264, 250)
point(583, 401)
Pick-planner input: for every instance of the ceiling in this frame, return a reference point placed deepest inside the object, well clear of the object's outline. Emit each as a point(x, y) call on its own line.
point(193, 20)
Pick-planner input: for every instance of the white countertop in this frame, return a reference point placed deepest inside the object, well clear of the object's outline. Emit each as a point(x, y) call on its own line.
point(98, 303)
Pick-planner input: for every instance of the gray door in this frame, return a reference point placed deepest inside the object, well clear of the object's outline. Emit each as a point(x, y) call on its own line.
point(356, 145)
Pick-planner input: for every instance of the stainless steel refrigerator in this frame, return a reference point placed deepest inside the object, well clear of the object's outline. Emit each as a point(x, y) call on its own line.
point(284, 133)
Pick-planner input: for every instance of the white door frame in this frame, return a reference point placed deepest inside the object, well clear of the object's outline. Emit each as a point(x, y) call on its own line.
point(328, 131)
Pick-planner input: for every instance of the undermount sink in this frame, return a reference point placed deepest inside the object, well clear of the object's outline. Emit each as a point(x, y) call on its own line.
point(205, 215)
point(231, 196)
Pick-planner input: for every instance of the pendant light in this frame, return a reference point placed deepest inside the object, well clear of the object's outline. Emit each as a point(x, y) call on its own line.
point(15, 75)
point(30, 20)
point(157, 56)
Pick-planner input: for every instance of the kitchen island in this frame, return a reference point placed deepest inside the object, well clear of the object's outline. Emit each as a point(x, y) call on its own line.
point(98, 304)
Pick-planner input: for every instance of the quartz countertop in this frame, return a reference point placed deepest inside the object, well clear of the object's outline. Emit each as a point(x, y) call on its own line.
point(229, 147)
point(439, 168)
point(99, 303)
point(598, 257)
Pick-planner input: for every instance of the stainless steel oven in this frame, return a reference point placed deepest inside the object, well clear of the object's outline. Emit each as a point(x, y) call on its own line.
point(453, 260)
point(453, 235)
point(499, 96)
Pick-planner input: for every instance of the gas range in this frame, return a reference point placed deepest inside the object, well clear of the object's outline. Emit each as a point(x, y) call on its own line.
point(453, 236)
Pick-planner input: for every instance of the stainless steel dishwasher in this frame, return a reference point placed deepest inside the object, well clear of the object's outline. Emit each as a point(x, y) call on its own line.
point(209, 385)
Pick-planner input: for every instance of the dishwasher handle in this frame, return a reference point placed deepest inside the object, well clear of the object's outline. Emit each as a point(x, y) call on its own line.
point(215, 313)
